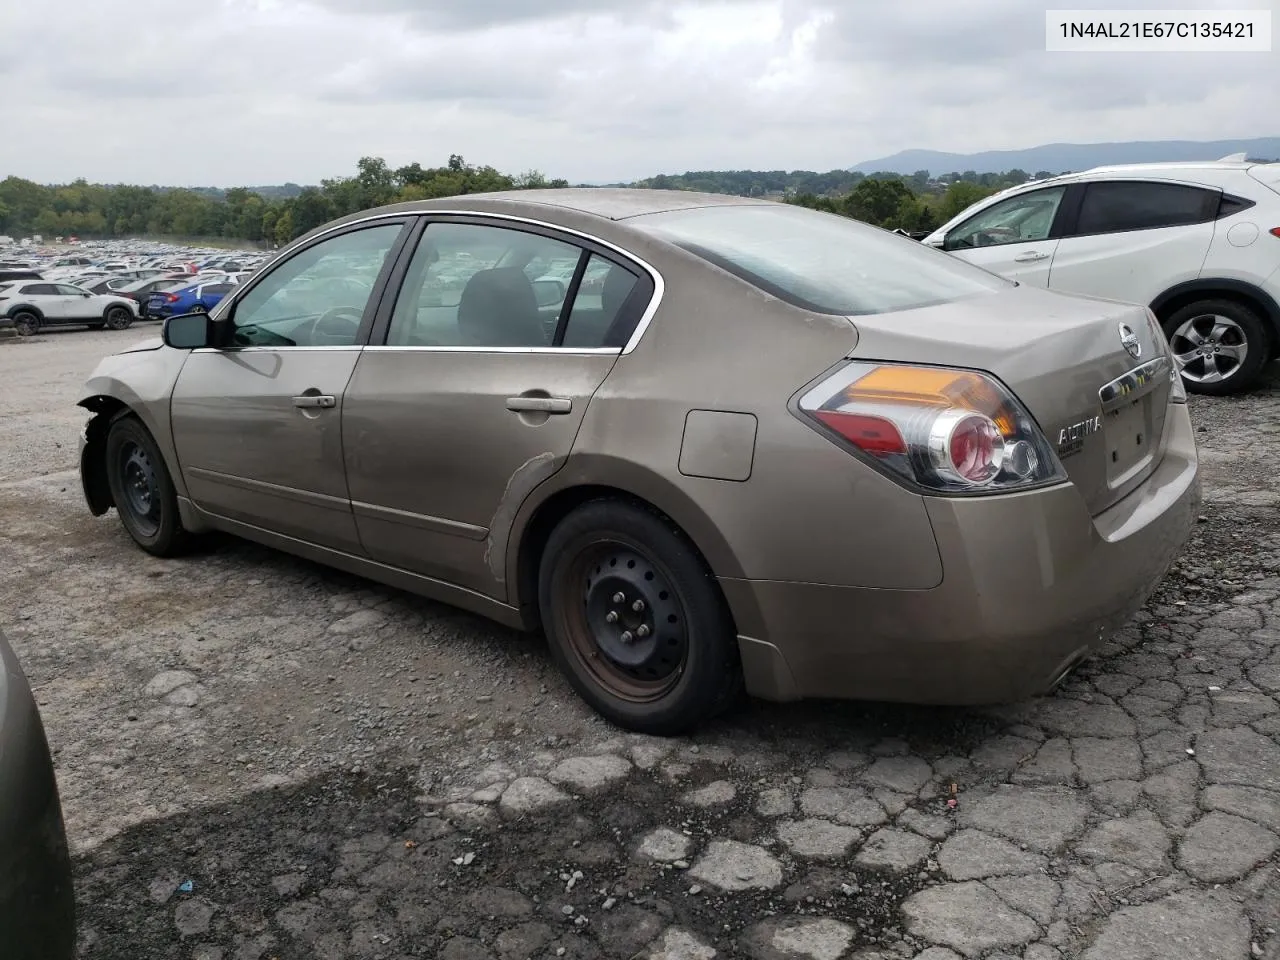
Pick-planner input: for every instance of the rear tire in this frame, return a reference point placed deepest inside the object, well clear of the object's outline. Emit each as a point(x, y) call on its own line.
point(1221, 346)
point(664, 658)
point(142, 489)
point(118, 318)
point(26, 323)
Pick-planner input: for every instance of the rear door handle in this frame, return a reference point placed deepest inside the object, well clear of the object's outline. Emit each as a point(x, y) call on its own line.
point(312, 401)
point(1030, 257)
point(540, 404)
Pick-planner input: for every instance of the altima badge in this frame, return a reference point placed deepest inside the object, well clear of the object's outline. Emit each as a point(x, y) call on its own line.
point(1071, 439)
point(1130, 340)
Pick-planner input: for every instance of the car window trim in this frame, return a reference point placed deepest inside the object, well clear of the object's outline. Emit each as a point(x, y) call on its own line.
point(571, 295)
point(224, 311)
point(592, 244)
point(1212, 203)
point(1053, 225)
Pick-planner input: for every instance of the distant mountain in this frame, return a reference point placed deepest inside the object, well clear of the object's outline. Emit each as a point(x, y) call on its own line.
point(1061, 157)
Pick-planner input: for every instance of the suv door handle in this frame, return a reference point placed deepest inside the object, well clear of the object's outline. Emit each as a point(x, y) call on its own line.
point(313, 400)
point(540, 404)
point(1030, 256)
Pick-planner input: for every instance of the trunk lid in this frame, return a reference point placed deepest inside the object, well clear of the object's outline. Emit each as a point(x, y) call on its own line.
point(1101, 407)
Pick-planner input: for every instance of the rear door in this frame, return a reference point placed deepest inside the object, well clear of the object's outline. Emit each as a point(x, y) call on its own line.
point(1015, 238)
point(45, 297)
point(1133, 239)
point(475, 387)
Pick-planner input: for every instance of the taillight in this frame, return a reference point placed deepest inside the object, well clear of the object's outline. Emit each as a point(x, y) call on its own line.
point(1275, 231)
point(171, 297)
point(944, 429)
point(1177, 389)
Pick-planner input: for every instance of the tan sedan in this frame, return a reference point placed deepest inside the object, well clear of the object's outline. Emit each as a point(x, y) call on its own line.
point(704, 442)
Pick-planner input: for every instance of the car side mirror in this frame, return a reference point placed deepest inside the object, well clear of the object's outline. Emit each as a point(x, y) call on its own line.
point(549, 292)
point(188, 331)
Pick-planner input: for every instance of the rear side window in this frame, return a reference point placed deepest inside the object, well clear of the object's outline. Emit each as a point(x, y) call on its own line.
point(1232, 204)
point(1114, 206)
point(820, 261)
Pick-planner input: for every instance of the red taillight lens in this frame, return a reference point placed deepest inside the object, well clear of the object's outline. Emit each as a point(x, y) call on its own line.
point(1275, 231)
point(943, 429)
point(171, 297)
point(873, 434)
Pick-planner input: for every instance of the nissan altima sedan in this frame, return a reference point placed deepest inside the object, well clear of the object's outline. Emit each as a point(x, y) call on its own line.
point(763, 448)
point(37, 903)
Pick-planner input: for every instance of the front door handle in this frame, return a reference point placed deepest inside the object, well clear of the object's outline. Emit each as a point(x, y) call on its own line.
point(1030, 257)
point(540, 404)
point(314, 400)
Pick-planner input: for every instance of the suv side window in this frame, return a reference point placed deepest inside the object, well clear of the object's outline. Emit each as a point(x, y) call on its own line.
point(66, 290)
point(40, 290)
point(1111, 206)
point(1025, 218)
point(318, 296)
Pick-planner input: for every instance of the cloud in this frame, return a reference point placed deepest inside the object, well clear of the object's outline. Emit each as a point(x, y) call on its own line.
point(260, 91)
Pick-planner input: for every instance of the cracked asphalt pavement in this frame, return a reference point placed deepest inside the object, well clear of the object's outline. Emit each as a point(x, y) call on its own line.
point(263, 758)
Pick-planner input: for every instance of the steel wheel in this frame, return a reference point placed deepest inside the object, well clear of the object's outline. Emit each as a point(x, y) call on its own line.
point(628, 627)
point(1209, 348)
point(142, 494)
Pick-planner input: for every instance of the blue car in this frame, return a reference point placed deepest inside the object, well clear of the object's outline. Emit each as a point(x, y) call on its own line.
point(197, 298)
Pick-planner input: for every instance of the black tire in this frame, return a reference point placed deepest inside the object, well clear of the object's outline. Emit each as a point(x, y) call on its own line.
point(143, 490)
point(26, 323)
point(118, 318)
point(682, 668)
point(1240, 331)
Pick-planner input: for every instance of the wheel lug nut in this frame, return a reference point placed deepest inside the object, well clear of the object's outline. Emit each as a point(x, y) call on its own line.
point(611, 617)
point(626, 636)
point(638, 606)
point(642, 630)
point(619, 597)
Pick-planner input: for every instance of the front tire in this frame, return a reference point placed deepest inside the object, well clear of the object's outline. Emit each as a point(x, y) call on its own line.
point(26, 323)
point(118, 318)
point(1220, 346)
point(143, 490)
point(636, 621)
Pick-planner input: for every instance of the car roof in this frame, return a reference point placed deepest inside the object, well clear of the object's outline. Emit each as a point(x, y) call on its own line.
point(609, 203)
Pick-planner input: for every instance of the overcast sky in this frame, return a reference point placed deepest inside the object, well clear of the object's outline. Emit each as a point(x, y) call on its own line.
point(232, 92)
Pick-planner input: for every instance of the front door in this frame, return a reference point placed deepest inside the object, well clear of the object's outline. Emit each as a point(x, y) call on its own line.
point(1013, 238)
point(493, 351)
point(257, 424)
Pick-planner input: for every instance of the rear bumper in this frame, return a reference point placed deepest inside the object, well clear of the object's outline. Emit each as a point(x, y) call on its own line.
point(1032, 583)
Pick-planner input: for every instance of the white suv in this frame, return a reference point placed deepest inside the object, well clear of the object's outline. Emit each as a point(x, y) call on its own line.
point(28, 305)
point(1199, 243)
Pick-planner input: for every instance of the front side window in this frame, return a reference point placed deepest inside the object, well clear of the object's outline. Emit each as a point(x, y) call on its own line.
point(1026, 218)
point(1115, 206)
point(820, 261)
point(473, 285)
point(318, 296)
point(66, 290)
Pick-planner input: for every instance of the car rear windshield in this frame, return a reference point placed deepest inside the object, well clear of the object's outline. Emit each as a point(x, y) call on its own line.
point(821, 261)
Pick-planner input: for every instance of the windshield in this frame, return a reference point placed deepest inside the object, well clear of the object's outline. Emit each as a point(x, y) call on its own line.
point(821, 261)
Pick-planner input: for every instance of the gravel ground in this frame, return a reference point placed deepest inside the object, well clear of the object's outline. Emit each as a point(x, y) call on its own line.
point(343, 770)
